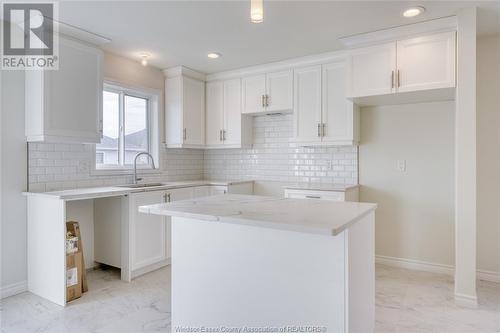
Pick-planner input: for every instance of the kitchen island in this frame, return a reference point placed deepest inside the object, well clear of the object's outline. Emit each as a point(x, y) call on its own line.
point(271, 264)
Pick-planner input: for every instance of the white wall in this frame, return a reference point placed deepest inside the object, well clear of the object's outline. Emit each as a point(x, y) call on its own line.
point(415, 217)
point(488, 154)
point(13, 174)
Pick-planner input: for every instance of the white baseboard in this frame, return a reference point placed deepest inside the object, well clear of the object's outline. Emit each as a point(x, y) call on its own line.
point(466, 301)
point(415, 265)
point(13, 289)
point(433, 267)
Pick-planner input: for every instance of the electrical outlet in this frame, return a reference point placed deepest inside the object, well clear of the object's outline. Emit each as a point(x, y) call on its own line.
point(401, 165)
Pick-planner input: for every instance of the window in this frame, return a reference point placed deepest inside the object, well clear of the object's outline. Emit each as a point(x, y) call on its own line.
point(128, 119)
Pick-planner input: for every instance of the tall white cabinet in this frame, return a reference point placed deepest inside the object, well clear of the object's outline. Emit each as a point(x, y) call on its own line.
point(322, 113)
point(184, 108)
point(225, 125)
point(65, 105)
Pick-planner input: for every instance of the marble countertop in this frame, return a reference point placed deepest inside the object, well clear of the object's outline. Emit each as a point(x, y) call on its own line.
point(308, 216)
point(320, 187)
point(113, 191)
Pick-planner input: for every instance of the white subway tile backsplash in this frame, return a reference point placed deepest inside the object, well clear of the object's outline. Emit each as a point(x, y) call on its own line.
point(272, 158)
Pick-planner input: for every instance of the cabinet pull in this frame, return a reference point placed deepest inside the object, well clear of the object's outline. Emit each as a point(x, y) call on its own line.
point(220, 135)
point(263, 100)
point(312, 197)
point(165, 198)
point(319, 130)
point(323, 127)
point(223, 135)
point(184, 135)
point(168, 196)
point(399, 79)
point(267, 100)
point(392, 79)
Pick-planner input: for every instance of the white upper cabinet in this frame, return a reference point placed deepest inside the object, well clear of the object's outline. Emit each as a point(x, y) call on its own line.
point(322, 113)
point(307, 104)
point(254, 91)
point(279, 90)
point(184, 109)
point(214, 112)
point(65, 105)
point(426, 62)
point(268, 93)
point(372, 70)
point(410, 65)
point(226, 127)
point(340, 117)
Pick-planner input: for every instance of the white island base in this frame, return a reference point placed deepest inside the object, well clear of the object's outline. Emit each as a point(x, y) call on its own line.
point(241, 270)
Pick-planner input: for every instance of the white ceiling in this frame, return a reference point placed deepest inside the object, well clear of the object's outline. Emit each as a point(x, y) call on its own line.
point(183, 32)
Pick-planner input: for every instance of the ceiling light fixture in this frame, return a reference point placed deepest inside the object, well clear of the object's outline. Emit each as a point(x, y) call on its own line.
point(213, 55)
point(257, 11)
point(413, 11)
point(144, 59)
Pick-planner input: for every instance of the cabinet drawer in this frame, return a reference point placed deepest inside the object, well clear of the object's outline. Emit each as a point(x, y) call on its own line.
point(321, 195)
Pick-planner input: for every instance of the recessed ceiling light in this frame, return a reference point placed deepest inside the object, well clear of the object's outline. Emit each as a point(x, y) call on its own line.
point(213, 55)
point(413, 11)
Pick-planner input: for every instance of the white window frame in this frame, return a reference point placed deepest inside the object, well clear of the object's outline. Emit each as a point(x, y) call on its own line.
point(153, 98)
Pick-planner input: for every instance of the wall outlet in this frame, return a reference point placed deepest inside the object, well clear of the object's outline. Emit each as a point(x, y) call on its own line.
point(401, 165)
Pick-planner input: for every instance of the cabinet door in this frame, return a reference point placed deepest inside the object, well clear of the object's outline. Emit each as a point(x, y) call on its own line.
point(307, 104)
point(194, 111)
point(73, 94)
point(175, 195)
point(214, 113)
point(254, 89)
point(371, 70)
point(337, 113)
point(426, 62)
point(279, 87)
point(232, 112)
point(149, 240)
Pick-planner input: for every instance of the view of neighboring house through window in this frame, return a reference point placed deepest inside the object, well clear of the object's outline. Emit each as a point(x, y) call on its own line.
point(127, 129)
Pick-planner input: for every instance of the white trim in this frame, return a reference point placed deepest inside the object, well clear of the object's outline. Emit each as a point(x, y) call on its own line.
point(183, 71)
point(488, 276)
point(466, 301)
point(426, 266)
point(400, 32)
point(13, 289)
point(415, 265)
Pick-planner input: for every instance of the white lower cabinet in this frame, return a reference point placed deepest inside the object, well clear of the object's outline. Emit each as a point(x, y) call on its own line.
point(148, 234)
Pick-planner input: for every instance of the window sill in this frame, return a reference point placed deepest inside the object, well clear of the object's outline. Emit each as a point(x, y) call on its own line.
point(123, 171)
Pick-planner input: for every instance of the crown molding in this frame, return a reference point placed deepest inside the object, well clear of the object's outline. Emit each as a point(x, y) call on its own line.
point(184, 71)
point(444, 24)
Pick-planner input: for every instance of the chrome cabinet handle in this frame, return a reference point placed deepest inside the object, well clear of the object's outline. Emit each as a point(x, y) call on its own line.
point(323, 126)
point(185, 134)
point(165, 197)
point(319, 130)
point(168, 196)
point(263, 100)
point(399, 79)
point(392, 79)
point(312, 197)
point(267, 100)
point(220, 135)
point(223, 135)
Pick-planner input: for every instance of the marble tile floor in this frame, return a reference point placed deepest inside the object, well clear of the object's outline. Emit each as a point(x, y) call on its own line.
point(407, 301)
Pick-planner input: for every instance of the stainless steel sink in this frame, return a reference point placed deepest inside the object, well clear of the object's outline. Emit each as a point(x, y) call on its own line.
point(142, 185)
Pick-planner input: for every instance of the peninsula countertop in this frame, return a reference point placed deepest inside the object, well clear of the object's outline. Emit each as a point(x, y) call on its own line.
point(113, 191)
point(307, 216)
